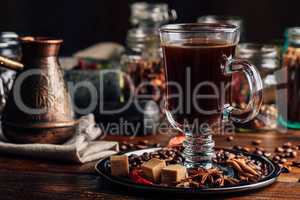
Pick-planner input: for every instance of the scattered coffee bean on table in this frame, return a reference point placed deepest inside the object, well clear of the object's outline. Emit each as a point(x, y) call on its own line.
point(258, 152)
point(286, 169)
point(287, 145)
point(246, 149)
point(279, 150)
point(230, 138)
point(267, 154)
point(239, 148)
point(260, 149)
point(296, 163)
point(256, 142)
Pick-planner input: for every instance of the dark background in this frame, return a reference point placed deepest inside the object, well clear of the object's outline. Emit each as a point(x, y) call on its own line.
point(84, 22)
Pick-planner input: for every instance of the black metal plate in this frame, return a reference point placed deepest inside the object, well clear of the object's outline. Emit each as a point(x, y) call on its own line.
point(103, 169)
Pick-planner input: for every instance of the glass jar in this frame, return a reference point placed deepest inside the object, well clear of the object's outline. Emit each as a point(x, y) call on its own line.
point(10, 48)
point(142, 60)
point(289, 81)
point(227, 19)
point(267, 60)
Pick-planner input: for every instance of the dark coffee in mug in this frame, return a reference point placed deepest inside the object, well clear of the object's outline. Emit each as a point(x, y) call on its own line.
point(197, 67)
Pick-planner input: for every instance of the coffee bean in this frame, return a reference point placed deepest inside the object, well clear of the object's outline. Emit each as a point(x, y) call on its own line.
point(146, 156)
point(157, 145)
point(237, 147)
point(163, 156)
point(283, 155)
point(256, 142)
point(138, 159)
point(229, 155)
point(140, 162)
point(295, 148)
point(279, 149)
point(144, 142)
point(296, 163)
point(130, 159)
point(178, 161)
point(287, 145)
point(134, 164)
point(286, 169)
point(160, 151)
point(246, 149)
point(123, 147)
point(260, 149)
point(230, 138)
point(258, 152)
point(134, 155)
point(170, 153)
point(283, 160)
point(288, 150)
point(267, 154)
point(276, 158)
point(293, 154)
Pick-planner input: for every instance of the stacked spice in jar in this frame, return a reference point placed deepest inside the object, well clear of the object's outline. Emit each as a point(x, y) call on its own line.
point(142, 61)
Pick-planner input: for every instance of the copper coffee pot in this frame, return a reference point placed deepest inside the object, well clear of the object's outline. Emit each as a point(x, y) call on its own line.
point(39, 108)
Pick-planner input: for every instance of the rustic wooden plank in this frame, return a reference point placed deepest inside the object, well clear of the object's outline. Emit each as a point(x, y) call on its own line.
point(25, 178)
point(276, 191)
point(269, 142)
point(31, 186)
point(12, 163)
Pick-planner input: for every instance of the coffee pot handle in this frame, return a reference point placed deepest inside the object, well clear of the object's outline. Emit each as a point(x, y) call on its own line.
point(255, 84)
point(10, 64)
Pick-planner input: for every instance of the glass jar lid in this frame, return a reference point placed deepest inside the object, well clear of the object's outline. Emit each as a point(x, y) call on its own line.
point(139, 38)
point(293, 35)
point(8, 34)
point(234, 20)
point(143, 13)
point(9, 38)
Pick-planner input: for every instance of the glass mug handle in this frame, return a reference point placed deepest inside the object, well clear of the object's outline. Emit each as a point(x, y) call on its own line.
point(255, 84)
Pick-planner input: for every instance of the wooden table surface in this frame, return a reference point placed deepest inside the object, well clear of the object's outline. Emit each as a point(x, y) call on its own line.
point(29, 179)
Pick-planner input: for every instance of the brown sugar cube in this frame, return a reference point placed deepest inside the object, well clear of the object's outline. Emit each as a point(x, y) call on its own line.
point(172, 174)
point(152, 169)
point(119, 165)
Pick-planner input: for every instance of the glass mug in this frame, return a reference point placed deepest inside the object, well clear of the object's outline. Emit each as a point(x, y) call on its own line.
point(199, 62)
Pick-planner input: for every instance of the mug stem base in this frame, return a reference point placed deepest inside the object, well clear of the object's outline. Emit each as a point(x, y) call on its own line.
point(198, 150)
